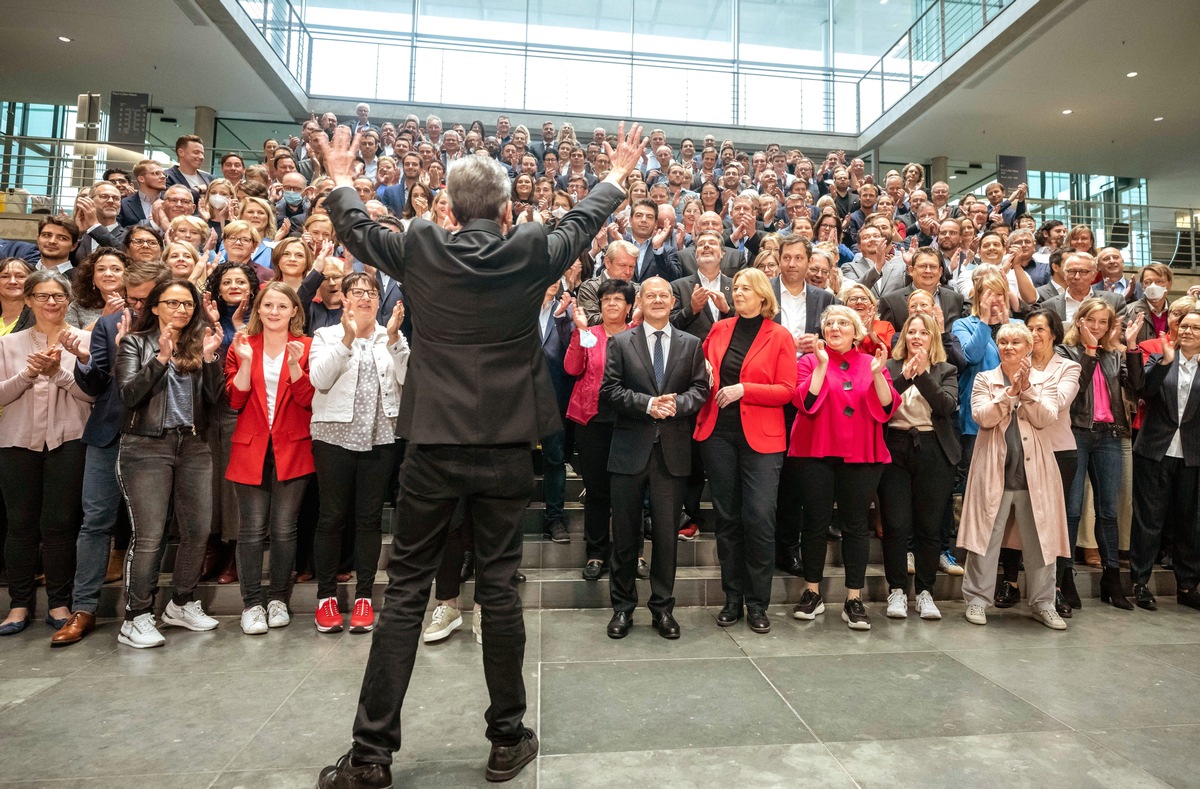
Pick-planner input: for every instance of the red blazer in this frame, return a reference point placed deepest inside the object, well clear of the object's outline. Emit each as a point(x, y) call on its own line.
point(289, 435)
point(768, 376)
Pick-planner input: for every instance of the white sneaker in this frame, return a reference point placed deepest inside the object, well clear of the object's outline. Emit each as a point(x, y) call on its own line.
point(897, 604)
point(477, 626)
point(976, 615)
point(912, 564)
point(254, 621)
point(190, 615)
point(948, 564)
point(926, 607)
point(446, 619)
point(277, 614)
point(140, 633)
point(1050, 618)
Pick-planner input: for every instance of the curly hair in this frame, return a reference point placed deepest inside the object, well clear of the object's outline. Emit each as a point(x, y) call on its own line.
point(86, 293)
point(213, 287)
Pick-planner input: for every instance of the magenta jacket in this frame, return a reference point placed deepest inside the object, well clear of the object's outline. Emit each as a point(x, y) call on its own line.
point(587, 365)
point(844, 422)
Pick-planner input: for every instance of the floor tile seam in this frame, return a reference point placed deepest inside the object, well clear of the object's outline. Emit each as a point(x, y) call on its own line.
point(784, 699)
point(1011, 692)
point(642, 660)
point(537, 763)
point(1193, 672)
point(1122, 757)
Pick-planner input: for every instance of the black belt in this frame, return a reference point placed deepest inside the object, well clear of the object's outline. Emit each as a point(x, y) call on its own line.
point(912, 432)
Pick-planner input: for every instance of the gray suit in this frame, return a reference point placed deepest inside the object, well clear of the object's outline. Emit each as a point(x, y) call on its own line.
point(1059, 303)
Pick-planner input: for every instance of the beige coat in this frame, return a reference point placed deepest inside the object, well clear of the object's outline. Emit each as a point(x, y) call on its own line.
point(992, 408)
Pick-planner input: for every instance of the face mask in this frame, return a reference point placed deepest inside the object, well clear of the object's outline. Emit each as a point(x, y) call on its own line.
point(293, 198)
point(217, 202)
point(558, 213)
point(1154, 292)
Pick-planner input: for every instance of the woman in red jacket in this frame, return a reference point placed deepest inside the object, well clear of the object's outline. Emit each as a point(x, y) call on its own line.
point(752, 361)
point(266, 375)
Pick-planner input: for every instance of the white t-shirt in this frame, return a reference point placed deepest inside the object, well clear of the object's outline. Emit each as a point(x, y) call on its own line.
point(272, 368)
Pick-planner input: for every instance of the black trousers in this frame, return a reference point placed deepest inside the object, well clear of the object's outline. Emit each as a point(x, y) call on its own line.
point(666, 497)
point(789, 506)
point(744, 485)
point(593, 441)
point(695, 485)
point(43, 499)
point(459, 540)
point(914, 492)
point(497, 482)
point(353, 487)
point(1165, 489)
point(828, 481)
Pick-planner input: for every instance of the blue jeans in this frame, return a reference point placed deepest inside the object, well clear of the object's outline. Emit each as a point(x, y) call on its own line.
point(101, 502)
point(1099, 456)
point(554, 474)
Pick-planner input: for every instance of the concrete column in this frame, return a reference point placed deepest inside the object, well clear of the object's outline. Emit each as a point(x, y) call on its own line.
point(939, 169)
point(206, 125)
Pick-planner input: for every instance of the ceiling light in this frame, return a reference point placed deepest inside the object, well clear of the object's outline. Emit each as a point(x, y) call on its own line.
point(1159, 118)
point(1067, 112)
point(1131, 74)
point(953, 177)
point(65, 40)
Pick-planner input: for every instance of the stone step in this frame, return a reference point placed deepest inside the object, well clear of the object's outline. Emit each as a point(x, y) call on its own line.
point(564, 588)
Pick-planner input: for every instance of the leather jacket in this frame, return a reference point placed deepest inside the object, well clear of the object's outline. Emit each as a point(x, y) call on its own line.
point(142, 384)
point(1110, 364)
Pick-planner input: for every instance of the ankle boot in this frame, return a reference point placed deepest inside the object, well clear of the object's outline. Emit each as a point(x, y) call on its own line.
point(1069, 592)
point(213, 556)
point(1111, 591)
point(116, 566)
point(229, 573)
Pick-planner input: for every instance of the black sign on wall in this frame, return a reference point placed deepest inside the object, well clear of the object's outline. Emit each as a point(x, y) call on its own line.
point(128, 116)
point(1012, 171)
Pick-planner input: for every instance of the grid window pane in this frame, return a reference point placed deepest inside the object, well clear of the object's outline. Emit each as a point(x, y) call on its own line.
point(795, 33)
point(688, 28)
point(692, 95)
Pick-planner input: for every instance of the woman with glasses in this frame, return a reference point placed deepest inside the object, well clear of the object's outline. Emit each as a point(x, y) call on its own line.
point(829, 230)
point(99, 287)
point(143, 244)
point(41, 454)
point(261, 216)
point(358, 370)
point(267, 383)
point(239, 243)
point(879, 334)
point(169, 377)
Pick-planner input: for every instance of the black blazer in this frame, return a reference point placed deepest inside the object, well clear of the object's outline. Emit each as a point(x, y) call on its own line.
point(628, 386)
point(893, 307)
point(939, 387)
point(475, 296)
point(731, 263)
point(554, 349)
point(1158, 386)
point(175, 178)
point(96, 378)
point(696, 323)
point(818, 300)
point(663, 263)
point(131, 211)
point(100, 237)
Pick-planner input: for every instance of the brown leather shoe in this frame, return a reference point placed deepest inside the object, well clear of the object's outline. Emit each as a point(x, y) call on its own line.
point(1091, 557)
point(229, 573)
point(116, 566)
point(79, 625)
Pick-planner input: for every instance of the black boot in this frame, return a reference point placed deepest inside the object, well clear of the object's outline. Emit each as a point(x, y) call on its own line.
point(1111, 590)
point(1069, 592)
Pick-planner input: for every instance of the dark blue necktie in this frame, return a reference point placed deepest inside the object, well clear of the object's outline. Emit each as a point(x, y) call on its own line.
point(660, 366)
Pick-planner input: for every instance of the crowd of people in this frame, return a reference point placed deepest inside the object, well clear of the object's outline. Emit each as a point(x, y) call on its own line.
point(836, 355)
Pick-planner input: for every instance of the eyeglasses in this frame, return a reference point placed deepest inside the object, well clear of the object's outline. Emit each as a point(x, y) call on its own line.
point(1078, 272)
point(42, 298)
point(173, 305)
point(143, 242)
point(363, 293)
point(134, 302)
point(239, 240)
point(1188, 329)
point(118, 180)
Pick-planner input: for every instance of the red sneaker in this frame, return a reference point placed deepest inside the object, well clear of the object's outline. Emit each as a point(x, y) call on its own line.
point(329, 619)
point(689, 532)
point(363, 618)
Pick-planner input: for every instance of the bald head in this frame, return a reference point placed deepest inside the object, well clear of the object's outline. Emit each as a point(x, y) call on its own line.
point(709, 220)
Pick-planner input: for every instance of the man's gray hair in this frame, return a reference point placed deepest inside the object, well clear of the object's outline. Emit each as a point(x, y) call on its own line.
point(627, 247)
point(478, 188)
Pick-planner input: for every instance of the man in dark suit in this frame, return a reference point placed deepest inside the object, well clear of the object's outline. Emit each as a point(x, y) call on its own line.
point(101, 436)
point(746, 233)
point(732, 260)
point(656, 257)
point(705, 297)
point(554, 327)
point(189, 152)
point(475, 296)
point(139, 206)
point(1079, 270)
point(656, 382)
point(925, 271)
point(96, 217)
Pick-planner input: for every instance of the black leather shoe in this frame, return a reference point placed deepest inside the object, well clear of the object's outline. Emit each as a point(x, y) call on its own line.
point(505, 761)
point(1190, 598)
point(1070, 593)
point(1007, 595)
point(790, 564)
point(519, 577)
point(593, 570)
point(618, 626)
point(1061, 606)
point(666, 626)
point(1143, 598)
point(348, 775)
point(758, 620)
point(468, 566)
point(730, 613)
point(643, 569)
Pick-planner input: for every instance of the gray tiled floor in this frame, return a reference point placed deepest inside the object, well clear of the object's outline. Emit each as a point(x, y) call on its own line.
point(1110, 702)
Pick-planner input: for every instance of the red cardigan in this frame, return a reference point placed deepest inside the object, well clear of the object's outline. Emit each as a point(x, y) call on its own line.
point(768, 376)
point(289, 435)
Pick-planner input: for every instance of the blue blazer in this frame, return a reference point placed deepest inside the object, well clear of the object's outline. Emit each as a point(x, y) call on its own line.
point(96, 379)
point(131, 211)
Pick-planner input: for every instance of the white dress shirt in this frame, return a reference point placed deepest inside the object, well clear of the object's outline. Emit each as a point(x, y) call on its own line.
point(1072, 306)
point(715, 286)
point(793, 310)
point(651, 341)
point(1187, 373)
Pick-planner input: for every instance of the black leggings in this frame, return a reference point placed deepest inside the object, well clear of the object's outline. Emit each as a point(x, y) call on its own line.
point(850, 485)
point(914, 492)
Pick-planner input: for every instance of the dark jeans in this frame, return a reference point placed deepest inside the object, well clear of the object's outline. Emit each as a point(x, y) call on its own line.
point(459, 540)
point(101, 505)
point(593, 441)
point(828, 481)
point(666, 497)
point(353, 485)
point(1165, 489)
point(914, 492)
point(554, 475)
point(151, 472)
point(497, 483)
point(226, 512)
point(271, 505)
point(42, 498)
point(744, 486)
point(1099, 458)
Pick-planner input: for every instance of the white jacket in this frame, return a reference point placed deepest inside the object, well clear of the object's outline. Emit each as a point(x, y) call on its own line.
point(333, 370)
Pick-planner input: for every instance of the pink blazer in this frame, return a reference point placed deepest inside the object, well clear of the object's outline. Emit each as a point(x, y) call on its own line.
point(44, 412)
point(844, 422)
point(586, 364)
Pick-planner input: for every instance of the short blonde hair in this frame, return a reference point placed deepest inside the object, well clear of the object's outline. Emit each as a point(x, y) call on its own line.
point(836, 310)
point(196, 223)
point(1019, 329)
point(937, 352)
point(242, 226)
point(762, 288)
point(991, 280)
point(844, 296)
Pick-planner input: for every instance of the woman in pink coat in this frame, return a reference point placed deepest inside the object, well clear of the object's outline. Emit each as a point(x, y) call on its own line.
point(1013, 471)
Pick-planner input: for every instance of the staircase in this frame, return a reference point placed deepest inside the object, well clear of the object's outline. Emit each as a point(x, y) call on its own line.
point(554, 581)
